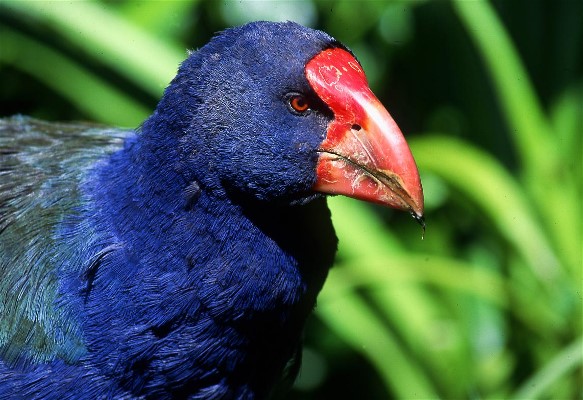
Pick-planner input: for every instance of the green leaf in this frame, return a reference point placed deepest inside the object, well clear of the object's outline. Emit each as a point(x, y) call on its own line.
point(355, 322)
point(566, 361)
point(443, 272)
point(481, 178)
point(132, 51)
point(519, 101)
point(84, 90)
point(549, 175)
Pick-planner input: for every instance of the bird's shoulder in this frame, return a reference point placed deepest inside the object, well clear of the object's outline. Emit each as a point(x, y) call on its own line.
point(41, 167)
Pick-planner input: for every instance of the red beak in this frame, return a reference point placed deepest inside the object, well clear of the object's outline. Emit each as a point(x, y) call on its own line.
point(364, 154)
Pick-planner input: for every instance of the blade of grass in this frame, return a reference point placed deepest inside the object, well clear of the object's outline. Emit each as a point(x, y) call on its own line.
point(352, 320)
point(448, 274)
point(87, 92)
point(165, 19)
point(520, 103)
point(444, 272)
point(567, 119)
point(363, 236)
point(138, 55)
point(482, 179)
point(364, 231)
point(546, 171)
point(566, 361)
point(366, 243)
point(373, 255)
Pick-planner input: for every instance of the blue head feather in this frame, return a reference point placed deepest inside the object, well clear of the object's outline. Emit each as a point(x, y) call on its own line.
point(226, 111)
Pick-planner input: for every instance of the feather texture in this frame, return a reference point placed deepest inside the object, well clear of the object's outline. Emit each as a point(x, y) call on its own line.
point(178, 260)
point(41, 166)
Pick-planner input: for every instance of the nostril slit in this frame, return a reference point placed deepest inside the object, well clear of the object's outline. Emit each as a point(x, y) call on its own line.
point(356, 127)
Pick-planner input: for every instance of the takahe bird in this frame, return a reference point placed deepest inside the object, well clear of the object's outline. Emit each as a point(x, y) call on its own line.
point(181, 260)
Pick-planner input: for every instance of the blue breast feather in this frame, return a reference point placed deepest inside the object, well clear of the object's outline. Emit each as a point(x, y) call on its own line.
point(78, 302)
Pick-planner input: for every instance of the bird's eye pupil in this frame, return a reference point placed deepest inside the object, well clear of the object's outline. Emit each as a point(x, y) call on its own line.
point(299, 103)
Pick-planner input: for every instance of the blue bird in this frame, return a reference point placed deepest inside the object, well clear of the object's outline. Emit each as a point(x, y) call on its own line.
point(181, 259)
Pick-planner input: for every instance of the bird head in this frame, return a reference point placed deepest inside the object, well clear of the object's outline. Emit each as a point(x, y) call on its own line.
point(280, 112)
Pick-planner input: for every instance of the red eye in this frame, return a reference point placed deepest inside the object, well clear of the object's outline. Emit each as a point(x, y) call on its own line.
point(299, 103)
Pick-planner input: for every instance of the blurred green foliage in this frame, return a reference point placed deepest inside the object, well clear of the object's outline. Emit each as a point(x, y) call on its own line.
point(490, 96)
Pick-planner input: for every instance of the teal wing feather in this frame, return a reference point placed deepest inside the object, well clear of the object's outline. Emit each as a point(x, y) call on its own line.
point(41, 167)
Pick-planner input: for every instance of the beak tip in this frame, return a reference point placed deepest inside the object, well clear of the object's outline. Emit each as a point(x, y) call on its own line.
point(419, 218)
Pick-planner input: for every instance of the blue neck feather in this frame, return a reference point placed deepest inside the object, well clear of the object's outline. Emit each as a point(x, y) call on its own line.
point(229, 283)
